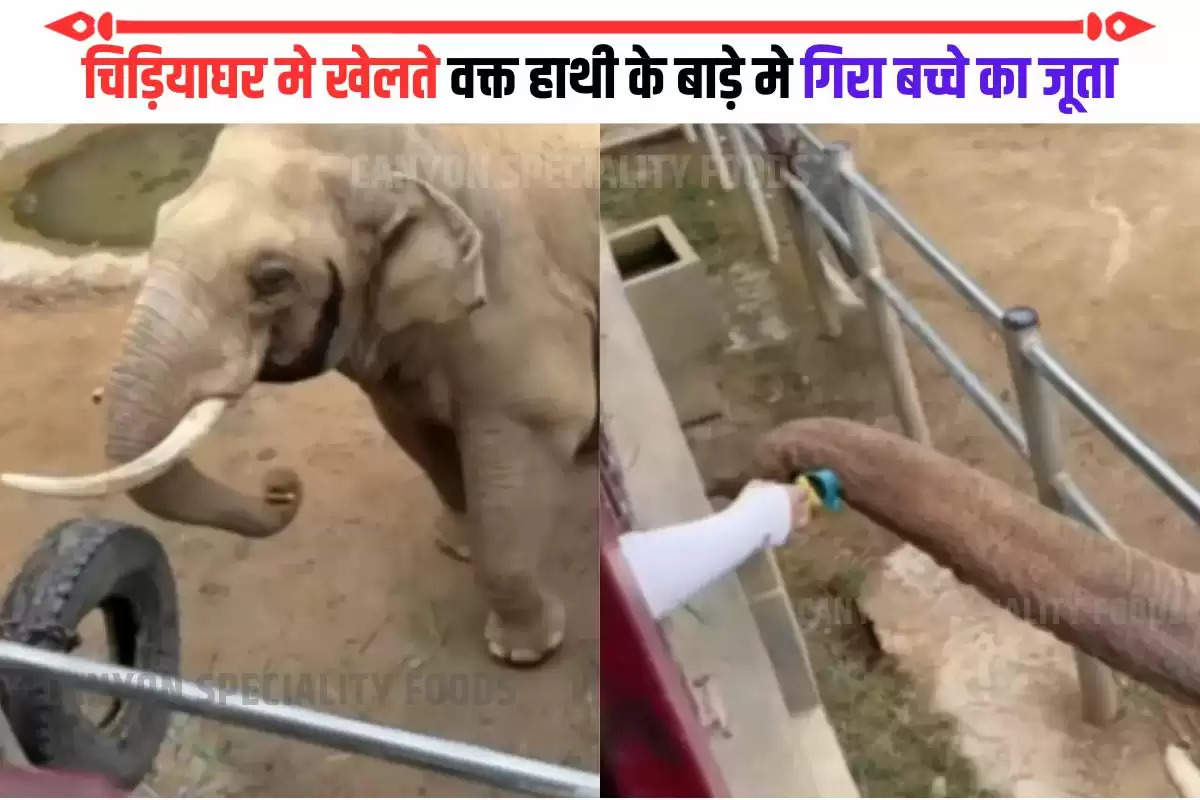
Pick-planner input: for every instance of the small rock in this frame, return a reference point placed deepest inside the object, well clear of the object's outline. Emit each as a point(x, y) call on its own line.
point(211, 589)
point(267, 453)
point(197, 769)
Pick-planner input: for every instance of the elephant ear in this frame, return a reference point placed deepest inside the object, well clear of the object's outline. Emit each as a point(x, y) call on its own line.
point(423, 252)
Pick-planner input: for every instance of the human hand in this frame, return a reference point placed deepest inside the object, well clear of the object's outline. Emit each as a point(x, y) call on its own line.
point(799, 496)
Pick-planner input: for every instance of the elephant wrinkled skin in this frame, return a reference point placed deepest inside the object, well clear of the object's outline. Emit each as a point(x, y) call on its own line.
point(455, 284)
point(1136, 613)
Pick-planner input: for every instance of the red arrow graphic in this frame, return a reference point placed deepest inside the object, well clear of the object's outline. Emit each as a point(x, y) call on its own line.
point(1118, 26)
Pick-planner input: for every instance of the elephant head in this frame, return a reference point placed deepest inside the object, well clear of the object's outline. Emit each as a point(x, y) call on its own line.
point(276, 264)
point(1122, 606)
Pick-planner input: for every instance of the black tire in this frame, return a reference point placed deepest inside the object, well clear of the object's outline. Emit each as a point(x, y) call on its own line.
point(79, 566)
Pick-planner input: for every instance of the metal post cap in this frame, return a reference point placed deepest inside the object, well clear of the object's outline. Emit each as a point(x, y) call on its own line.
point(1019, 318)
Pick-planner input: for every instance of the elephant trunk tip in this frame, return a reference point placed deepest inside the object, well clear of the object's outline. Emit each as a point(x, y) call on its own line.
point(188, 496)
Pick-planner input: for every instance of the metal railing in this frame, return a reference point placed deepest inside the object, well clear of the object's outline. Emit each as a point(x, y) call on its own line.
point(513, 773)
point(1038, 377)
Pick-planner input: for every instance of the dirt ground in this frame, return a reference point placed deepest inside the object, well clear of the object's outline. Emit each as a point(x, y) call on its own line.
point(352, 609)
point(1093, 226)
point(1090, 224)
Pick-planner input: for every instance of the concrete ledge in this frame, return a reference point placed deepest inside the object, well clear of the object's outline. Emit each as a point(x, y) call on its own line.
point(762, 747)
point(615, 136)
point(666, 283)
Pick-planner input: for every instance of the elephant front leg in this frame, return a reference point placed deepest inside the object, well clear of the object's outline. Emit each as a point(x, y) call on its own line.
point(513, 483)
point(435, 449)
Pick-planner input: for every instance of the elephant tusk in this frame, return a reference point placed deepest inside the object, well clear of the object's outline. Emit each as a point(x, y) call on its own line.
point(154, 462)
point(1182, 771)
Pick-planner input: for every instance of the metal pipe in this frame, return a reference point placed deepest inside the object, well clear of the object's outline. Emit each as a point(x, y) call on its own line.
point(1142, 454)
point(754, 135)
point(502, 770)
point(810, 137)
point(635, 133)
point(1037, 400)
point(1027, 357)
point(954, 275)
point(709, 134)
point(829, 286)
point(805, 195)
point(1078, 504)
point(887, 324)
point(1182, 771)
point(1081, 508)
point(992, 408)
point(806, 234)
point(758, 201)
point(833, 228)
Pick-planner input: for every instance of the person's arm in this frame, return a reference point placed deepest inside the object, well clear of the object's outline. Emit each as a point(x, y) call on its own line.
point(673, 563)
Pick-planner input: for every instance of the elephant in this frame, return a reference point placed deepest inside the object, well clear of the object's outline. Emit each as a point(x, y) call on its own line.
point(456, 285)
point(1124, 607)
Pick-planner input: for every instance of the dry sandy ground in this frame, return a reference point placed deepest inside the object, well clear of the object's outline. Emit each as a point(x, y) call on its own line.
point(354, 593)
point(1093, 226)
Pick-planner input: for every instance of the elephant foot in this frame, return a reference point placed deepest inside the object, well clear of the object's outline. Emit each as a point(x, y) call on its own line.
point(527, 643)
point(451, 536)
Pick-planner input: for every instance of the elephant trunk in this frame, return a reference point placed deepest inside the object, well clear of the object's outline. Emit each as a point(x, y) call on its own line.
point(1122, 606)
point(169, 342)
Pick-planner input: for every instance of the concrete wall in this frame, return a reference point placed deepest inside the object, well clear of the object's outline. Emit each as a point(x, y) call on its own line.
point(29, 261)
point(727, 640)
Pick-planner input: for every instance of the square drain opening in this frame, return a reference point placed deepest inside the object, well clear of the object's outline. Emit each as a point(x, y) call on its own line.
point(643, 250)
point(647, 247)
point(674, 301)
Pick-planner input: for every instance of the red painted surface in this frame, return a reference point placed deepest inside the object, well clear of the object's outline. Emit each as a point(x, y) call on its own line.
point(651, 741)
point(15, 782)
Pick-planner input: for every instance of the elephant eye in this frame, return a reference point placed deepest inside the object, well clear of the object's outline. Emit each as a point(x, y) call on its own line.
point(269, 278)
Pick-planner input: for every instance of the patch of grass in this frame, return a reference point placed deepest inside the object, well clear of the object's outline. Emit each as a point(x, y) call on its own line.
point(848, 582)
point(894, 745)
point(714, 221)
